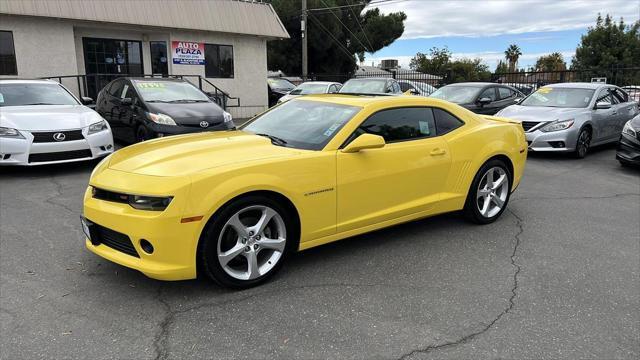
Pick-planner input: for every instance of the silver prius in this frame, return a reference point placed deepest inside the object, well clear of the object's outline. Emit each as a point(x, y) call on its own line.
point(571, 117)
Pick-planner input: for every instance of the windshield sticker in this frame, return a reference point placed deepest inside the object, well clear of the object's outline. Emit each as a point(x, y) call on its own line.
point(147, 85)
point(545, 90)
point(424, 128)
point(333, 128)
point(1, 98)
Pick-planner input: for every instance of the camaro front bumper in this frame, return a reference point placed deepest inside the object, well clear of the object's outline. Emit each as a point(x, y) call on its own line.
point(119, 229)
point(564, 140)
point(26, 152)
point(628, 150)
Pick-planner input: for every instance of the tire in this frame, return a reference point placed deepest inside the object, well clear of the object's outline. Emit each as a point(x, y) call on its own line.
point(582, 143)
point(483, 201)
point(253, 253)
point(142, 134)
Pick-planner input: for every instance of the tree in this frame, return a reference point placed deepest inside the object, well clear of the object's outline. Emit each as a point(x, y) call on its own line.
point(608, 44)
point(512, 54)
point(551, 62)
point(501, 68)
point(336, 37)
point(439, 62)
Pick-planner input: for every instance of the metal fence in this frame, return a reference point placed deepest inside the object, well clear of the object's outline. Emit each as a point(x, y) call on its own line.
point(525, 81)
point(89, 85)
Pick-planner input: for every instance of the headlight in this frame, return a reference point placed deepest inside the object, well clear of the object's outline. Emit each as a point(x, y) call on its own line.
point(149, 202)
point(627, 129)
point(161, 119)
point(557, 125)
point(10, 133)
point(227, 117)
point(97, 127)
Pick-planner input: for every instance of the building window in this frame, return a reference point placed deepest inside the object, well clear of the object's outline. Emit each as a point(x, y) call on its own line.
point(218, 61)
point(159, 57)
point(7, 54)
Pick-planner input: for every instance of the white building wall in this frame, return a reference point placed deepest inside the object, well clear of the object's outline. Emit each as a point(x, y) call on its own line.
point(44, 47)
point(52, 47)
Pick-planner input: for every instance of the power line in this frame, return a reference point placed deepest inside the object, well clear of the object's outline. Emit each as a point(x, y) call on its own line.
point(340, 46)
point(346, 27)
point(357, 17)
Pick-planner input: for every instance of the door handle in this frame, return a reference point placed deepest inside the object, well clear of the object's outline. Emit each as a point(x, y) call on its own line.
point(615, 112)
point(437, 151)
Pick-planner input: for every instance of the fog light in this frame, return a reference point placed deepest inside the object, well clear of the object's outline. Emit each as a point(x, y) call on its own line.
point(102, 148)
point(109, 147)
point(557, 144)
point(146, 246)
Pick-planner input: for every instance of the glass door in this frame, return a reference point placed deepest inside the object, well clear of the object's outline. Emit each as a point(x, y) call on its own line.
point(159, 63)
point(107, 59)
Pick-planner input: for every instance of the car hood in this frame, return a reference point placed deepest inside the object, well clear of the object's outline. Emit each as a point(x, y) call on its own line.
point(189, 113)
point(47, 117)
point(540, 113)
point(189, 154)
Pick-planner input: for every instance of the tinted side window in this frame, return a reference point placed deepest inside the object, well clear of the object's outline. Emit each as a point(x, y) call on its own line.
point(604, 96)
point(405, 86)
point(505, 93)
point(489, 93)
point(400, 124)
point(116, 88)
point(445, 122)
point(619, 95)
point(396, 87)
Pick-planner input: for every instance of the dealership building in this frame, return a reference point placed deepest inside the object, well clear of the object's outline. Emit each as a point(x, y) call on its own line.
point(216, 44)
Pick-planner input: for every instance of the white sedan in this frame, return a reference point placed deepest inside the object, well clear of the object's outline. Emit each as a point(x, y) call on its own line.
point(41, 122)
point(311, 87)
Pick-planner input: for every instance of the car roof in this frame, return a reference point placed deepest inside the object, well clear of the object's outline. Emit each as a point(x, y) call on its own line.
point(320, 82)
point(578, 85)
point(477, 84)
point(28, 81)
point(141, 78)
point(370, 78)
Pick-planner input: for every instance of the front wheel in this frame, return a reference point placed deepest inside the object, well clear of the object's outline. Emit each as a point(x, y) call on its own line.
point(489, 193)
point(247, 242)
point(582, 144)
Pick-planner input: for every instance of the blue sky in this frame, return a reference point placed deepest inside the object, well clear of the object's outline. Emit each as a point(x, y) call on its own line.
point(484, 29)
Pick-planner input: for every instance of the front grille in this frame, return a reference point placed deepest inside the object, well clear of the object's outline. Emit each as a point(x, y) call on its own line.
point(47, 137)
point(110, 196)
point(528, 125)
point(112, 239)
point(57, 156)
point(197, 125)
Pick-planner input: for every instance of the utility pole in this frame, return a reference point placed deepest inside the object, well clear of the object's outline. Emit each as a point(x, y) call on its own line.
point(303, 28)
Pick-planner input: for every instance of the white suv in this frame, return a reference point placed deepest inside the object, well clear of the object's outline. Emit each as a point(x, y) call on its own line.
point(41, 122)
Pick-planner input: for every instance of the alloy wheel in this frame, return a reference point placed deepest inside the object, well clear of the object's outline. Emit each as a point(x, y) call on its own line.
point(492, 192)
point(584, 139)
point(251, 242)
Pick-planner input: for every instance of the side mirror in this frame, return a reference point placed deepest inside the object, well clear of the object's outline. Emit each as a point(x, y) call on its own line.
point(484, 101)
point(126, 101)
point(603, 105)
point(86, 100)
point(363, 142)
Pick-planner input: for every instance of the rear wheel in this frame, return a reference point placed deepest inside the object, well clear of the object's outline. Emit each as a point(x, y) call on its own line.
point(489, 193)
point(247, 242)
point(582, 144)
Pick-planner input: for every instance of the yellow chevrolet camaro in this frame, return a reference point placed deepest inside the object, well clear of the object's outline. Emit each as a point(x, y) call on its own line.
point(233, 205)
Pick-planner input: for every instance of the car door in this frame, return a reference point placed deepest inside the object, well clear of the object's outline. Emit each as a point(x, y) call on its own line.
point(507, 97)
point(130, 114)
point(404, 177)
point(111, 106)
point(492, 107)
point(604, 120)
point(626, 108)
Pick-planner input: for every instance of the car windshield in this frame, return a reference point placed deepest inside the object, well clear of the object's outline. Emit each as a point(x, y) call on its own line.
point(559, 97)
point(22, 94)
point(309, 88)
point(283, 84)
point(457, 94)
point(302, 124)
point(169, 91)
point(364, 86)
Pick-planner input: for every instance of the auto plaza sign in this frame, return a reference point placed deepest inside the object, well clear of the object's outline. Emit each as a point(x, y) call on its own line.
point(187, 53)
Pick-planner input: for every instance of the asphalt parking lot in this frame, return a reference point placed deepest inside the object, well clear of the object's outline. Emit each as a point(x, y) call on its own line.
point(556, 277)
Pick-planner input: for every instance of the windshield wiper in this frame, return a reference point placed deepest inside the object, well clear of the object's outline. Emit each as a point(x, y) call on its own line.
point(40, 103)
point(274, 139)
point(186, 101)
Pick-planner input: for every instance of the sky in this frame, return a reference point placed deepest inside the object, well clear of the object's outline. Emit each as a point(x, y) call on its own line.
point(485, 28)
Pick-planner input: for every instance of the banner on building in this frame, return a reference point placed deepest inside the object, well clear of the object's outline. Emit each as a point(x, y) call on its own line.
point(187, 53)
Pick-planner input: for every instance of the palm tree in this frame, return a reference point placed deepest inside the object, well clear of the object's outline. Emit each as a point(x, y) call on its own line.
point(512, 54)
